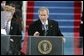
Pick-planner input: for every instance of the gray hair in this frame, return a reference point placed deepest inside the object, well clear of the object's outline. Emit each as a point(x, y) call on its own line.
point(43, 8)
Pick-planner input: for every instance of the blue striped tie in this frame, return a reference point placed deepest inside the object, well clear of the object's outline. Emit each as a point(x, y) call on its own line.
point(46, 28)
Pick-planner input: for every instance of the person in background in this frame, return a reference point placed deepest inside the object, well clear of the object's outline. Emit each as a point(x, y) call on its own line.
point(13, 28)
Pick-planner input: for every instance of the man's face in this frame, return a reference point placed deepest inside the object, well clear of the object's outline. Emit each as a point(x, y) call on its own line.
point(43, 15)
point(8, 15)
point(10, 9)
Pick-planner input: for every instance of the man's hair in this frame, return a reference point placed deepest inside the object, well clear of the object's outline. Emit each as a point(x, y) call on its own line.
point(43, 8)
point(13, 5)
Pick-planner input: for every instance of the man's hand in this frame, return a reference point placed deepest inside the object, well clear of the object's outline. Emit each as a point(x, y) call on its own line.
point(36, 33)
point(9, 8)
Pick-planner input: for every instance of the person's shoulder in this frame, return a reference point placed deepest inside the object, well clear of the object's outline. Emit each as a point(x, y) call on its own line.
point(36, 22)
point(53, 21)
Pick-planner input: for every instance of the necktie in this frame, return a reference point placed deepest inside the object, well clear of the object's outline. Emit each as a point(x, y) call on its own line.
point(46, 28)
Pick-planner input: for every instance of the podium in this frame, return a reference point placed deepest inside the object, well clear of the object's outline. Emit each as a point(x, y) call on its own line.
point(5, 43)
point(45, 45)
point(10, 44)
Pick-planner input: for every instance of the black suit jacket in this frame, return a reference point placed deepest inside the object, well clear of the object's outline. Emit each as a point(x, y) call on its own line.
point(53, 29)
point(15, 28)
point(15, 33)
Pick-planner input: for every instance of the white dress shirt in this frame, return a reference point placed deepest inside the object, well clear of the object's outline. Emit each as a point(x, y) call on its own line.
point(3, 31)
point(45, 23)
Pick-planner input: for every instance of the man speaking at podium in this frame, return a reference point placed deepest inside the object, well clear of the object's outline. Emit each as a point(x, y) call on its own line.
point(44, 26)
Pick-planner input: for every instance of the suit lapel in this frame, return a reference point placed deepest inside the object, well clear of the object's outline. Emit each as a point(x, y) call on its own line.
point(40, 25)
point(50, 27)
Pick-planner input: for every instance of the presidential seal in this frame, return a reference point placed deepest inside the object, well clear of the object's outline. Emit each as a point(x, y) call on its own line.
point(44, 47)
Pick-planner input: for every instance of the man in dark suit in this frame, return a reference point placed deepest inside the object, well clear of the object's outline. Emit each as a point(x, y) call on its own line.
point(15, 36)
point(44, 26)
point(12, 28)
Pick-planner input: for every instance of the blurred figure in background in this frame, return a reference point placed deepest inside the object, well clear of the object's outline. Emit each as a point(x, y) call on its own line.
point(13, 28)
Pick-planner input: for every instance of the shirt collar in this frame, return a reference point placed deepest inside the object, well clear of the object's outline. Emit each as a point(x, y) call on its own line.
point(45, 23)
